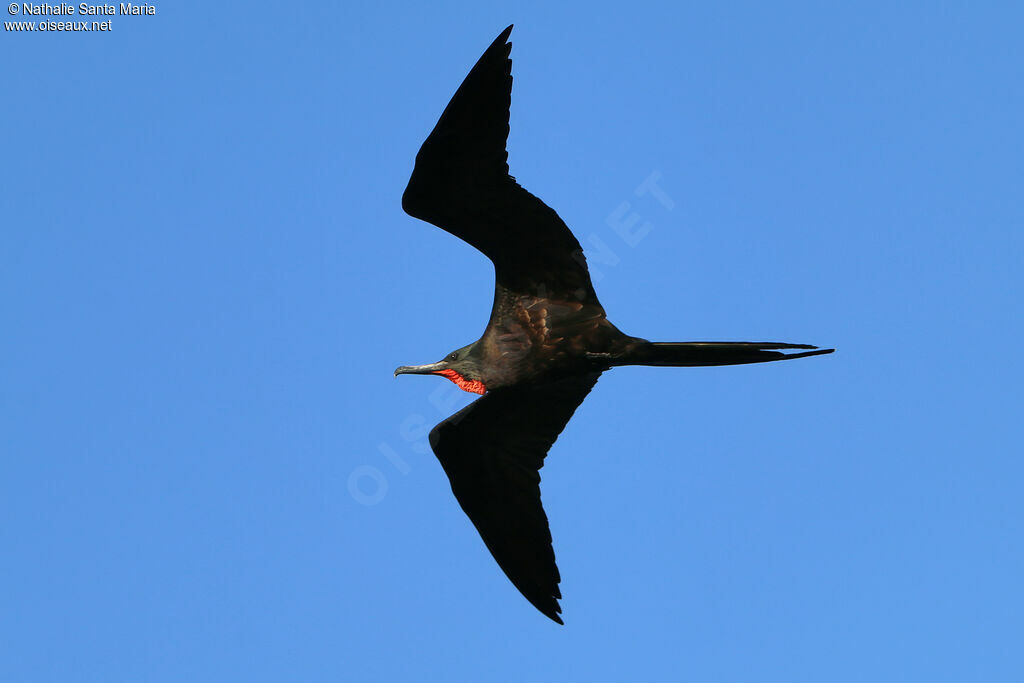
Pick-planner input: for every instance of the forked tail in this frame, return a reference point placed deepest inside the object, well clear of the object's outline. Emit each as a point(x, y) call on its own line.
point(689, 354)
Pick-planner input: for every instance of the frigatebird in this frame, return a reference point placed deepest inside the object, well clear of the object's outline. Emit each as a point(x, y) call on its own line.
point(548, 338)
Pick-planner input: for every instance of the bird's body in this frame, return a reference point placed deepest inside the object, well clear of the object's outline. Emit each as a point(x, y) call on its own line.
point(548, 338)
point(531, 338)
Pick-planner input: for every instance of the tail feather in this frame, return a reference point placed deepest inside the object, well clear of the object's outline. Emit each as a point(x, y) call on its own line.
point(691, 354)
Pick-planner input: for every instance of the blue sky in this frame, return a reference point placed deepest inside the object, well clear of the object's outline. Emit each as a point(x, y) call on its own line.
point(206, 281)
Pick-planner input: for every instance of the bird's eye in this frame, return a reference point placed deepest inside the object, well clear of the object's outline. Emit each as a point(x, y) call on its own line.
point(452, 356)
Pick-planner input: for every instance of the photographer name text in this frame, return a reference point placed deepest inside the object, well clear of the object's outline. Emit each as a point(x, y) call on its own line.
point(85, 9)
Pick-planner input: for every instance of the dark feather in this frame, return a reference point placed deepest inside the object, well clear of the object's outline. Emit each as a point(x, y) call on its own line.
point(492, 452)
point(462, 185)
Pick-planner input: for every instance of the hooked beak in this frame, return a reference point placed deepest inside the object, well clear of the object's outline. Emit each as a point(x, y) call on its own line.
point(428, 369)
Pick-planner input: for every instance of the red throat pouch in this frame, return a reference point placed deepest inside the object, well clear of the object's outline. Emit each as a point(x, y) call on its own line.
point(471, 385)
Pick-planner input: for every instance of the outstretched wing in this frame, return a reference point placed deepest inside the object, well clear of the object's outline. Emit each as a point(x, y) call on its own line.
point(461, 184)
point(492, 451)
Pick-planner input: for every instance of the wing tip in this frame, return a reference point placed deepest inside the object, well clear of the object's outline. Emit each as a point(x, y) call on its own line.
point(546, 603)
point(551, 610)
point(503, 42)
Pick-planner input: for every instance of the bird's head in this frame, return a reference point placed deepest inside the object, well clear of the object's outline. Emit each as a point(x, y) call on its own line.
point(460, 366)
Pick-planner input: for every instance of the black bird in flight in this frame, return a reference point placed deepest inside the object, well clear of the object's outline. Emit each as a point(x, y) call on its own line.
point(547, 341)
